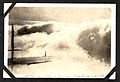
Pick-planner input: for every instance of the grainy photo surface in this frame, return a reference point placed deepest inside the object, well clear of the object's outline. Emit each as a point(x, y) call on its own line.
point(60, 41)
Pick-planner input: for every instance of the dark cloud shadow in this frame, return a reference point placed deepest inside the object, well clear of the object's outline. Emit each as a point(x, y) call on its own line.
point(44, 28)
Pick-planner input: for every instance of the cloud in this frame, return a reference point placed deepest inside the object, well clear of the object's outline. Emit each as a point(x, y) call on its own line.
point(47, 28)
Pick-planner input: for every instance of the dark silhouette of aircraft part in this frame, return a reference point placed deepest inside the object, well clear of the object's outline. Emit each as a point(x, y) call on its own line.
point(45, 54)
point(12, 45)
point(26, 60)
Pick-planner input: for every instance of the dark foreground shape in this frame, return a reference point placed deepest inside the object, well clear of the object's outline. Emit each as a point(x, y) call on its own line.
point(97, 47)
point(28, 60)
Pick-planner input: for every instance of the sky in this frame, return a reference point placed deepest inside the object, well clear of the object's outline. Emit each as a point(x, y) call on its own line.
point(62, 14)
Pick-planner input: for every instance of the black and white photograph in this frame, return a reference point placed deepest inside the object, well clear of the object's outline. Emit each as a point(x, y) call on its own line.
point(60, 40)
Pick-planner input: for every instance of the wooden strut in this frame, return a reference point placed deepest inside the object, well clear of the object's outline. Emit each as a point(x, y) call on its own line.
point(45, 54)
point(12, 45)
